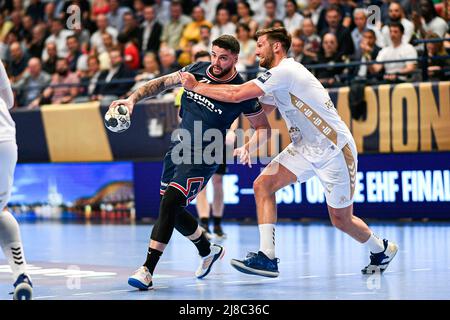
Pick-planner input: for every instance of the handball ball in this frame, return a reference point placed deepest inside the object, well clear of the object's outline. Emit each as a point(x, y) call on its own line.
point(118, 119)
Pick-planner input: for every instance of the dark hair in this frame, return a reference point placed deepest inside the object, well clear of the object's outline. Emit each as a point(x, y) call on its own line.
point(276, 35)
point(371, 32)
point(274, 2)
point(227, 42)
point(72, 37)
point(247, 5)
point(294, 3)
point(272, 24)
point(201, 54)
point(397, 25)
point(93, 57)
point(243, 26)
point(334, 7)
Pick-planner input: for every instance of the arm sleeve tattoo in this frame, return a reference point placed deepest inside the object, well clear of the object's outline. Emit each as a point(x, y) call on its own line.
point(156, 86)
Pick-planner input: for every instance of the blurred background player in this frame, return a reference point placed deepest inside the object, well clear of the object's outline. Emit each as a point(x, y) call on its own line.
point(9, 228)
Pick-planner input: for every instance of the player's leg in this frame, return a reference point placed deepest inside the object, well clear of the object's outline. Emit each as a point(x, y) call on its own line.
point(285, 169)
point(203, 209)
point(339, 190)
point(10, 240)
point(188, 180)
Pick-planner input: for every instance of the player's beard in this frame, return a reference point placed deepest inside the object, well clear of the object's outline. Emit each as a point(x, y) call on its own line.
point(220, 74)
point(267, 60)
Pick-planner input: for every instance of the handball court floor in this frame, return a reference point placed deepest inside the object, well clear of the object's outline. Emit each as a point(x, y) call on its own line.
point(93, 261)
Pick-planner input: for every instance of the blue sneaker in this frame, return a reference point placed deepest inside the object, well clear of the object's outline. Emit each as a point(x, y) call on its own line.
point(257, 264)
point(380, 261)
point(23, 288)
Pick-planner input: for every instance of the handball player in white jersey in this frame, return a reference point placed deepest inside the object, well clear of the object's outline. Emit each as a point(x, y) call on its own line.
point(10, 241)
point(321, 146)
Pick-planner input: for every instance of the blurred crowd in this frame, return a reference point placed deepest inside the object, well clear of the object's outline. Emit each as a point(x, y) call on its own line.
point(83, 50)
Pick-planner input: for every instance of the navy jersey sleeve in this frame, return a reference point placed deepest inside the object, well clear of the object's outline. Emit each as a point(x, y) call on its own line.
point(194, 66)
point(251, 108)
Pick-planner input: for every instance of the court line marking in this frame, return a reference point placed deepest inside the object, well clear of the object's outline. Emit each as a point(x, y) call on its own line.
point(196, 285)
point(423, 269)
point(43, 297)
point(308, 277)
point(249, 281)
point(345, 274)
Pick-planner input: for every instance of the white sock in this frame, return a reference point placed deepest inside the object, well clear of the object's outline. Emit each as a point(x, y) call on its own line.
point(11, 244)
point(375, 244)
point(267, 239)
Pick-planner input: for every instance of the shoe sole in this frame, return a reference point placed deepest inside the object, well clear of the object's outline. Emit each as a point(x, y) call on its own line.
point(386, 265)
point(23, 291)
point(239, 266)
point(137, 284)
point(217, 256)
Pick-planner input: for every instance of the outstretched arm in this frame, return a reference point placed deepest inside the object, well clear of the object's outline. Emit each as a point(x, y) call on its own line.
point(222, 92)
point(150, 89)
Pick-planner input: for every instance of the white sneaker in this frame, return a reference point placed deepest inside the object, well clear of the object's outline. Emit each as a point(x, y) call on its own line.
point(23, 288)
point(380, 261)
point(141, 279)
point(207, 262)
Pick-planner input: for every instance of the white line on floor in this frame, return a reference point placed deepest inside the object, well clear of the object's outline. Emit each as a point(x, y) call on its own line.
point(43, 297)
point(345, 274)
point(249, 281)
point(364, 292)
point(83, 294)
point(424, 269)
point(308, 277)
point(196, 285)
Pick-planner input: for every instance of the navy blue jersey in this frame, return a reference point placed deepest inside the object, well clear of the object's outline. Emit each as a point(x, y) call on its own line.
point(211, 113)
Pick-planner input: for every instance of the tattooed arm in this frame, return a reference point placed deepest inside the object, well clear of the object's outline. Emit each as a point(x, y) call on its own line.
point(150, 89)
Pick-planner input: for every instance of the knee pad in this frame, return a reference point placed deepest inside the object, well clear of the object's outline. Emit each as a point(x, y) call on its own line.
point(172, 204)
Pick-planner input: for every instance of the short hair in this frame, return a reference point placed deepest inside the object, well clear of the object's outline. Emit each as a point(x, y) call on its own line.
point(276, 34)
point(371, 32)
point(227, 42)
point(334, 7)
point(243, 26)
point(201, 54)
point(93, 57)
point(72, 37)
point(294, 3)
point(274, 2)
point(360, 10)
point(395, 24)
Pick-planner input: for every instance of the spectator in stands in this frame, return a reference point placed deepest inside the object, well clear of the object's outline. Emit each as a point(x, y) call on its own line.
point(150, 71)
point(396, 14)
point(130, 26)
point(168, 61)
point(271, 13)
point(99, 7)
point(102, 28)
point(36, 10)
point(17, 28)
point(247, 56)
point(49, 13)
point(369, 52)
point(162, 7)
point(428, 20)
point(209, 6)
point(130, 51)
point(138, 9)
point(65, 85)
point(74, 52)
point(277, 24)
point(314, 11)
point(245, 14)
point(231, 6)
point(33, 83)
point(333, 17)
point(115, 15)
point(330, 55)
point(114, 81)
point(437, 68)
point(312, 40)
point(192, 30)
point(37, 44)
point(5, 27)
point(293, 19)
point(150, 32)
point(18, 62)
point(205, 41)
point(90, 80)
point(297, 51)
point(109, 44)
point(360, 20)
point(173, 29)
point(59, 37)
point(49, 64)
point(223, 24)
point(396, 71)
point(27, 31)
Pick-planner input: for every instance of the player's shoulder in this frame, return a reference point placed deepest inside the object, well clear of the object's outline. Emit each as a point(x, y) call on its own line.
point(196, 67)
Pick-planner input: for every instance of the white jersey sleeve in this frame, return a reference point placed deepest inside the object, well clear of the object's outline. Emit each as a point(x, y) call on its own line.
point(6, 93)
point(267, 99)
point(274, 79)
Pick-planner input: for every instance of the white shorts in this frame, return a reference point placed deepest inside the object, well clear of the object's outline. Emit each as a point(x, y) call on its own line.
point(337, 174)
point(8, 160)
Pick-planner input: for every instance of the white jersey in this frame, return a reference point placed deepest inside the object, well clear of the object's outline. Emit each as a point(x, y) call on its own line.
point(315, 127)
point(7, 125)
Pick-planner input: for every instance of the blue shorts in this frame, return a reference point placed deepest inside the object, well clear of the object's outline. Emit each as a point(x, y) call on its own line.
point(190, 179)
